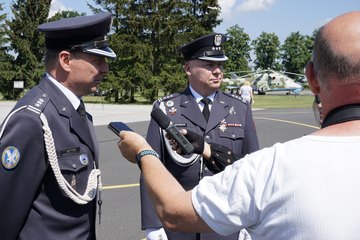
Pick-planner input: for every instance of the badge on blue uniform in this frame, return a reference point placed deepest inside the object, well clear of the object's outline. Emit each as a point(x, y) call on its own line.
point(10, 157)
point(84, 160)
point(169, 103)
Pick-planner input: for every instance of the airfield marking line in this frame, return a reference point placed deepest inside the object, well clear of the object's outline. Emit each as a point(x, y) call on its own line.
point(121, 186)
point(285, 113)
point(264, 118)
point(285, 121)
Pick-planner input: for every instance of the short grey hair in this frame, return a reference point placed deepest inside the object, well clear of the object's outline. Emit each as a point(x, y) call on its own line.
point(51, 58)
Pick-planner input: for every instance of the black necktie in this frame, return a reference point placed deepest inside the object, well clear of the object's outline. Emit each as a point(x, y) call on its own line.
point(82, 112)
point(206, 110)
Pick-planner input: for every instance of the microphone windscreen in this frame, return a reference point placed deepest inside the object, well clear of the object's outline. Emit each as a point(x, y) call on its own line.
point(160, 117)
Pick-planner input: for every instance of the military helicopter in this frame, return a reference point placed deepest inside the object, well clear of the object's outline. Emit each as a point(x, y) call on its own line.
point(268, 80)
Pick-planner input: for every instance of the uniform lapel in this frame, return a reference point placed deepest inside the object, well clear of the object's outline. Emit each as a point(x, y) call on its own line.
point(218, 111)
point(64, 108)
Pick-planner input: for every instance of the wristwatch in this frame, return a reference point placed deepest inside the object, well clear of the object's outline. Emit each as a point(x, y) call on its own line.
point(144, 153)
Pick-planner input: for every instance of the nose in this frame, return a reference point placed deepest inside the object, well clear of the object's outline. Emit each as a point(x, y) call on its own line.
point(218, 68)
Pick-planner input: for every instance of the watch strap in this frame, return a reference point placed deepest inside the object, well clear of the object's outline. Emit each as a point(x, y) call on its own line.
point(144, 153)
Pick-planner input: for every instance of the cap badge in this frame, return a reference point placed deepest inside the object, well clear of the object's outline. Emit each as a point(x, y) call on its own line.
point(10, 157)
point(217, 40)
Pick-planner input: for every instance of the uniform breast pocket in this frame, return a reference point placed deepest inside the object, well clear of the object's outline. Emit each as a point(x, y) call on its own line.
point(232, 138)
point(232, 133)
point(74, 168)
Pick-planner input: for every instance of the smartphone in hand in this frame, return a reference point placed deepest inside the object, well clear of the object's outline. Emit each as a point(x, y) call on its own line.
point(117, 127)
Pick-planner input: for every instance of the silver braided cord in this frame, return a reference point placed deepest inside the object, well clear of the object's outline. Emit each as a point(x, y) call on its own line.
point(69, 191)
point(180, 160)
point(94, 181)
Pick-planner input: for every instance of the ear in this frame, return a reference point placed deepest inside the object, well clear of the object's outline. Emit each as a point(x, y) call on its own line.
point(187, 69)
point(311, 77)
point(64, 60)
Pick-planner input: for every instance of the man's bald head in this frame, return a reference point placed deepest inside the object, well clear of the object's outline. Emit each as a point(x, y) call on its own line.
point(337, 49)
point(334, 72)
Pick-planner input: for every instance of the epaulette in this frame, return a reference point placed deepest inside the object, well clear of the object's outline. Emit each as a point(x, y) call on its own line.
point(38, 104)
point(236, 97)
point(165, 98)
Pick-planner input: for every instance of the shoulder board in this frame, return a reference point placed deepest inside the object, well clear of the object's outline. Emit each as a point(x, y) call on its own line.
point(34, 105)
point(238, 97)
point(165, 98)
point(38, 103)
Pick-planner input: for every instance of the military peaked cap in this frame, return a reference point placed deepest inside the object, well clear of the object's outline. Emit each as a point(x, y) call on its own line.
point(205, 48)
point(84, 33)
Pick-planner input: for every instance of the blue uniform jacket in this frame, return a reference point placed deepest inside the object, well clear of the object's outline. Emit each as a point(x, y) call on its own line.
point(230, 124)
point(33, 207)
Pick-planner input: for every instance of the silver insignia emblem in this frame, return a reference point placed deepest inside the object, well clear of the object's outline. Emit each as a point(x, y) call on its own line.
point(217, 40)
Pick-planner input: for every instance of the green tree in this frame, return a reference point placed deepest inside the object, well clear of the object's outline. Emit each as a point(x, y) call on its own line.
point(237, 48)
point(65, 14)
point(6, 59)
point(26, 42)
point(267, 51)
point(146, 36)
point(296, 52)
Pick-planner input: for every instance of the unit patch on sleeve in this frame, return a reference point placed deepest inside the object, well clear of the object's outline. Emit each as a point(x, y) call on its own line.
point(10, 157)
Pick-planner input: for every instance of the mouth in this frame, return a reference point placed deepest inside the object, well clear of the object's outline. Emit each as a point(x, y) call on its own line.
point(215, 80)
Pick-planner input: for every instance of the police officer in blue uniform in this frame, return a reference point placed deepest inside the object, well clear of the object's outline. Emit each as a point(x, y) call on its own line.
point(49, 176)
point(230, 123)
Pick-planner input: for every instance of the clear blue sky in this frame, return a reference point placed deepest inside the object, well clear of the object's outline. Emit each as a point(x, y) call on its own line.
point(256, 16)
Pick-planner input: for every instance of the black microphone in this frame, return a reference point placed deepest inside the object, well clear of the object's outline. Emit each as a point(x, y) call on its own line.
point(164, 122)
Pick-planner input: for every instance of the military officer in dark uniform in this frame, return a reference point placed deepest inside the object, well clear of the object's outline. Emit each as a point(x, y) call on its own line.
point(204, 109)
point(49, 176)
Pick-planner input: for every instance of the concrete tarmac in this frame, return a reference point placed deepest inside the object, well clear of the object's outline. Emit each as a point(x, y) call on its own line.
point(120, 218)
point(102, 113)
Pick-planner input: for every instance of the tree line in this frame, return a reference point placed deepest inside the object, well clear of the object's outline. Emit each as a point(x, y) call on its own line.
point(145, 36)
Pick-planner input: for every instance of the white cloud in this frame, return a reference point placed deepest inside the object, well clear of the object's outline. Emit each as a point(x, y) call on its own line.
point(226, 5)
point(230, 7)
point(56, 6)
point(255, 5)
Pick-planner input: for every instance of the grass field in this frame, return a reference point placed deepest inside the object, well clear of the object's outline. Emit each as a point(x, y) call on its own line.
point(283, 101)
point(261, 101)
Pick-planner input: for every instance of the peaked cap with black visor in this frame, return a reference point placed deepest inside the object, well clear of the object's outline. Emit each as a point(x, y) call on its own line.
point(85, 33)
point(208, 48)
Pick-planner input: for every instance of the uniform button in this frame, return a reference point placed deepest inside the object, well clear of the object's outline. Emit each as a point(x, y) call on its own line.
point(74, 166)
point(207, 137)
point(233, 135)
